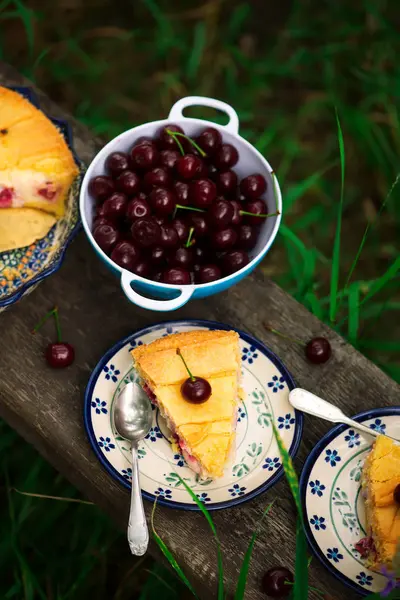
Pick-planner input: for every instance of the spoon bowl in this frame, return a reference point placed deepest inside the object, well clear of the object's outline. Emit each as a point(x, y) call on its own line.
point(133, 416)
point(132, 413)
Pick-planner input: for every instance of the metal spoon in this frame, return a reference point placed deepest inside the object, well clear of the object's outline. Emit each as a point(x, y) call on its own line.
point(313, 405)
point(132, 419)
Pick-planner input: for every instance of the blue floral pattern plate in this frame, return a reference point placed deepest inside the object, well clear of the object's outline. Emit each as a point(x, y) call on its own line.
point(256, 466)
point(23, 268)
point(332, 501)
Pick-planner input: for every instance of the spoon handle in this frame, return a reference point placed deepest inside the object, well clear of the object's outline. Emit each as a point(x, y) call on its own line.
point(314, 405)
point(138, 533)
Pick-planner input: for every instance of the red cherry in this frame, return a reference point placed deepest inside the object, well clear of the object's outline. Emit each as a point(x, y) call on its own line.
point(209, 140)
point(176, 276)
point(182, 257)
point(220, 214)
point(169, 237)
point(208, 273)
point(189, 166)
point(142, 268)
point(224, 239)
point(163, 201)
point(277, 582)
point(114, 207)
point(199, 223)
point(226, 157)
point(158, 255)
point(234, 261)
point(256, 207)
point(106, 235)
point(157, 177)
point(169, 158)
point(167, 141)
point(128, 183)
point(126, 255)
point(247, 236)
point(181, 190)
point(196, 390)
point(318, 350)
point(182, 228)
point(116, 163)
point(202, 192)
point(237, 217)
point(253, 186)
point(146, 232)
point(145, 156)
point(60, 355)
point(227, 183)
point(101, 187)
point(137, 208)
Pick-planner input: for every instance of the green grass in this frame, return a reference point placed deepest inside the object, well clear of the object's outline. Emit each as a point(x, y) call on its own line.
point(286, 73)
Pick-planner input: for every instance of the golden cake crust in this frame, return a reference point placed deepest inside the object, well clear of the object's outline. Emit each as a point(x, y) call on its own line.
point(381, 475)
point(207, 429)
point(36, 164)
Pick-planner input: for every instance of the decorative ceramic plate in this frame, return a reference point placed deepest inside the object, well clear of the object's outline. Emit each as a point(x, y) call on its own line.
point(257, 464)
point(332, 501)
point(23, 268)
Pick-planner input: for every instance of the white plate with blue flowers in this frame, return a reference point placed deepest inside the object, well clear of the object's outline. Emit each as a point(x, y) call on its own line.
point(332, 501)
point(257, 465)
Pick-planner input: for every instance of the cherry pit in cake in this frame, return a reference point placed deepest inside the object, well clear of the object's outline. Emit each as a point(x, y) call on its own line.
point(173, 210)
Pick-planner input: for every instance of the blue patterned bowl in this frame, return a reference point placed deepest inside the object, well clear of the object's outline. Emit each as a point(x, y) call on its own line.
point(22, 269)
point(334, 515)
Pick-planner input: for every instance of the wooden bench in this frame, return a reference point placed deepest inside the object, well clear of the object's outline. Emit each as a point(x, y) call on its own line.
point(45, 406)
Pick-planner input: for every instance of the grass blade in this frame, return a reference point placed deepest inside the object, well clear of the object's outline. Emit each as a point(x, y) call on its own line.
point(290, 472)
point(169, 556)
point(241, 585)
point(199, 43)
point(354, 313)
point(366, 232)
point(300, 586)
point(212, 527)
point(299, 189)
point(336, 246)
point(379, 283)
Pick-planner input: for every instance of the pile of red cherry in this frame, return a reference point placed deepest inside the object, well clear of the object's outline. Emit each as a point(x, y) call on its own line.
point(172, 209)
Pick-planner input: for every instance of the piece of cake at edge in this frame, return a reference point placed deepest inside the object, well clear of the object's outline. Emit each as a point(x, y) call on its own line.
point(36, 165)
point(380, 477)
point(205, 432)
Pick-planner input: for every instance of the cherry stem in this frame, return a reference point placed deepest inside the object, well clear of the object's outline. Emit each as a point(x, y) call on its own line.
point(200, 150)
point(172, 134)
point(189, 240)
point(43, 320)
point(282, 335)
point(58, 328)
point(184, 362)
point(263, 216)
point(189, 208)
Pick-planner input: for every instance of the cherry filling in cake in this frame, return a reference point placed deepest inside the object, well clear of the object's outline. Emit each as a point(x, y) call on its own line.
point(26, 191)
point(191, 460)
point(6, 197)
point(366, 548)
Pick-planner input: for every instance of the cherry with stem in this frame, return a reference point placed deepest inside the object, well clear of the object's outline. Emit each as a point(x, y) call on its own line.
point(195, 389)
point(176, 134)
point(318, 350)
point(59, 354)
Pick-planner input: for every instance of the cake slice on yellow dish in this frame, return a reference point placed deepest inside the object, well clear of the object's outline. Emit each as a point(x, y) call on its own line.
point(36, 165)
point(204, 432)
point(380, 477)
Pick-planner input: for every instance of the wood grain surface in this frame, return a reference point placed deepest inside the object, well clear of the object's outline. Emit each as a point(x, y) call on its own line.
point(45, 406)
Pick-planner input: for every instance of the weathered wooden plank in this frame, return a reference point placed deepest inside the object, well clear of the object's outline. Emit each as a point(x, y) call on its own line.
point(45, 406)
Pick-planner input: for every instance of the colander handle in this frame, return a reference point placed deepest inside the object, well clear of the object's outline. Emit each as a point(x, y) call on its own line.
point(128, 278)
point(176, 112)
